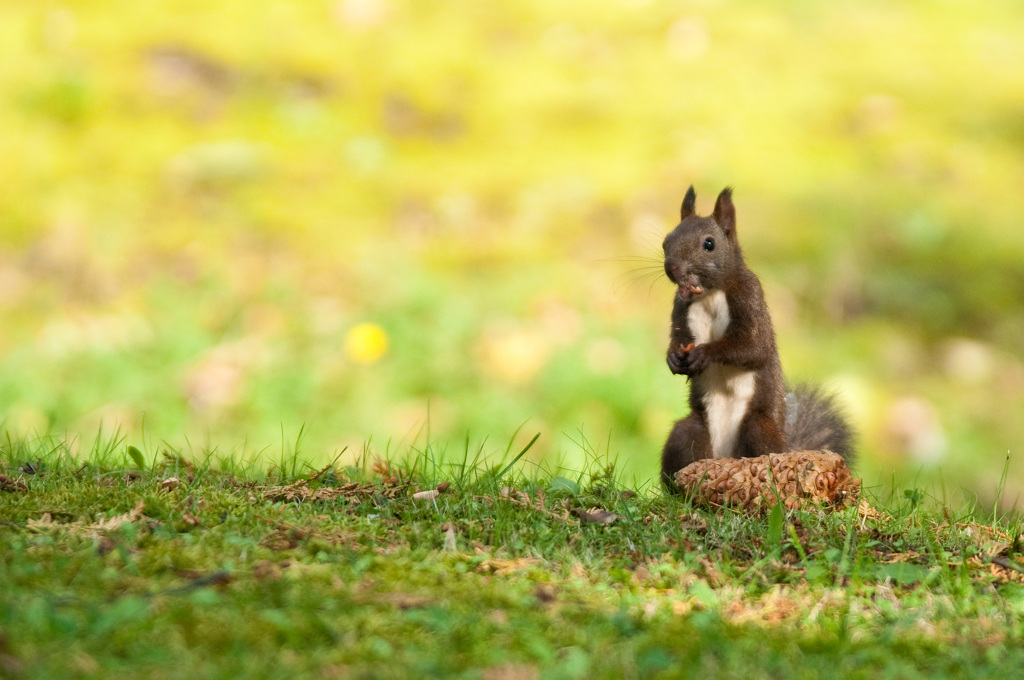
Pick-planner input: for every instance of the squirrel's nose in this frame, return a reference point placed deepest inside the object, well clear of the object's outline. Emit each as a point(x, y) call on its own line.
point(682, 273)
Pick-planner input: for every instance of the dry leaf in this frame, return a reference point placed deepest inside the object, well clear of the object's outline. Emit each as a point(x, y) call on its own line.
point(426, 495)
point(521, 498)
point(301, 491)
point(285, 538)
point(8, 484)
point(266, 570)
point(116, 522)
point(595, 516)
point(504, 567)
point(90, 530)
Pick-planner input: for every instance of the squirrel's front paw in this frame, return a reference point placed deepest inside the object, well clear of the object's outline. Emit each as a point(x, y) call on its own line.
point(676, 360)
point(697, 360)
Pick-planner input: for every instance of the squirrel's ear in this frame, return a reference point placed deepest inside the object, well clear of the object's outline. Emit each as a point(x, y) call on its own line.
point(689, 204)
point(725, 213)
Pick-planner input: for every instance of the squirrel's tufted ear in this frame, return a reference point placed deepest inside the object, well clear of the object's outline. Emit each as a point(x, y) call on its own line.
point(689, 204)
point(725, 213)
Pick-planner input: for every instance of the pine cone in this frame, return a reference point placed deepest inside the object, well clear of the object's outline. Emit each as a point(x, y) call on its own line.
point(756, 484)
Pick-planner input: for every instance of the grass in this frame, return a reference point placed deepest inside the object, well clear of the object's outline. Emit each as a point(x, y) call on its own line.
point(218, 569)
point(338, 231)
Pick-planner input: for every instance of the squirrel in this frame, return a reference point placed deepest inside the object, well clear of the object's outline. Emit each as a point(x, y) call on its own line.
point(723, 341)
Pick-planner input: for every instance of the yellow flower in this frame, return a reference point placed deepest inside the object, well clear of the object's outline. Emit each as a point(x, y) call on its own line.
point(366, 343)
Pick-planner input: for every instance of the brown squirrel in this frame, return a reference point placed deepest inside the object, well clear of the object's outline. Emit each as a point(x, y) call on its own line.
point(722, 339)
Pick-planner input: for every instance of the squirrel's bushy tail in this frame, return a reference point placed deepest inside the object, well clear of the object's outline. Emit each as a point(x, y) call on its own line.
point(814, 421)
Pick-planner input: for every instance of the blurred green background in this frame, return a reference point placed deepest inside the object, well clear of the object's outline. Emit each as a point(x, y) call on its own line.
point(393, 225)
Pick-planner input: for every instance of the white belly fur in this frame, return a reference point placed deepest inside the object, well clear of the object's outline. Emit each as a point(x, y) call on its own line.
point(727, 389)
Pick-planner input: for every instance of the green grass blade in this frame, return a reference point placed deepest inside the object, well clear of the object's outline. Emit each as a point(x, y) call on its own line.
point(516, 459)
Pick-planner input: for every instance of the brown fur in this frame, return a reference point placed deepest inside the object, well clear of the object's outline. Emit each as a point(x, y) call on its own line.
point(748, 341)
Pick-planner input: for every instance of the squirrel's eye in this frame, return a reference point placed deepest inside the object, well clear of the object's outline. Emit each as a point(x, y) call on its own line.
point(709, 244)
